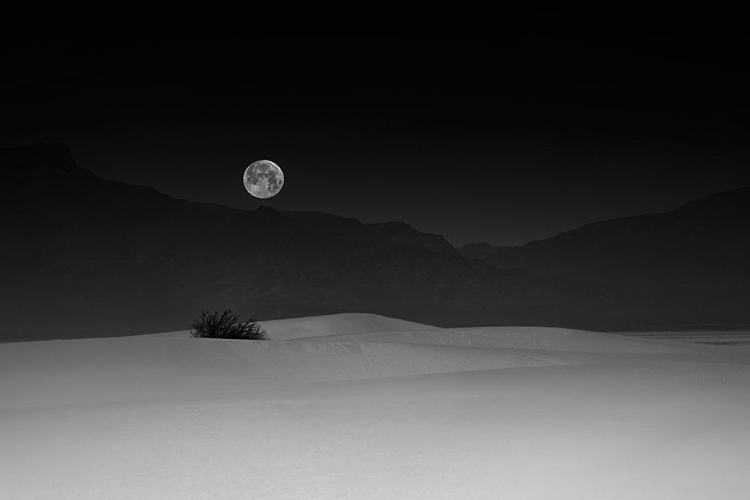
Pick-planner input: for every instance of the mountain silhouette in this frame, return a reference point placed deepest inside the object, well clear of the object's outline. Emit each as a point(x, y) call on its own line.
point(479, 250)
point(86, 256)
point(688, 266)
point(89, 256)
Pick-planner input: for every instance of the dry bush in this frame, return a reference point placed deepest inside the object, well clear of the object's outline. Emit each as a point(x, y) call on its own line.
point(212, 325)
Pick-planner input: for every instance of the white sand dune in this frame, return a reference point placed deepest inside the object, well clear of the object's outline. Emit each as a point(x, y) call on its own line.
point(133, 368)
point(521, 337)
point(362, 406)
point(327, 325)
point(337, 324)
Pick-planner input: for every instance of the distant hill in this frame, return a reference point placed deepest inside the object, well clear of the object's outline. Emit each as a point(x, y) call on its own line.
point(691, 265)
point(88, 256)
point(85, 256)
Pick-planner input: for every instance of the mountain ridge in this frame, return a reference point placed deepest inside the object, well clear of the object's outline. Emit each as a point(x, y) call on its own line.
point(722, 217)
point(85, 256)
point(89, 254)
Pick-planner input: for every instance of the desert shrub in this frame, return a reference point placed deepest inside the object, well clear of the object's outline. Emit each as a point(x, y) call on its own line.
point(227, 325)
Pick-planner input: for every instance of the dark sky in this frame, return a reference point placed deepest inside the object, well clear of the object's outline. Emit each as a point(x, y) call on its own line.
point(537, 124)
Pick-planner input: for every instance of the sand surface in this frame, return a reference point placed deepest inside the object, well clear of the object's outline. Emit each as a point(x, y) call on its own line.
point(363, 406)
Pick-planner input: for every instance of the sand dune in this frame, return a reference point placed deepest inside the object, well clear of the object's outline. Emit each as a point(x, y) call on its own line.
point(522, 337)
point(336, 324)
point(132, 368)
point(326, 325)
point(363, 406)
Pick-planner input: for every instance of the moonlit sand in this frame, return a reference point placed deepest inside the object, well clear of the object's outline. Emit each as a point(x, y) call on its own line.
point(364, 406)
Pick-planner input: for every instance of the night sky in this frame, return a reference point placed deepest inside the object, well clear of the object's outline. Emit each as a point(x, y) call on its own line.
point(547, 122)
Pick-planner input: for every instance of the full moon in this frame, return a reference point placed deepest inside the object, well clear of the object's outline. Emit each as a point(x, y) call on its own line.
point(263, 179)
